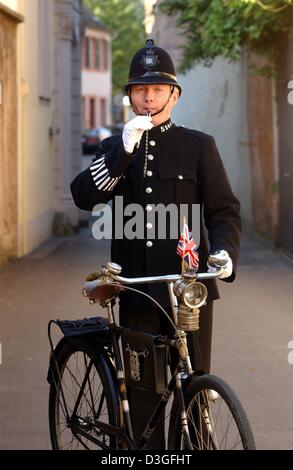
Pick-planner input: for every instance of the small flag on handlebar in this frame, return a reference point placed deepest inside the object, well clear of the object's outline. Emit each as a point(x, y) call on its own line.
point(187, 249)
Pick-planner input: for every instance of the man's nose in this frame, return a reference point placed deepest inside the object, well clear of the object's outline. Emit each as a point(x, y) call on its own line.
point(149, 95)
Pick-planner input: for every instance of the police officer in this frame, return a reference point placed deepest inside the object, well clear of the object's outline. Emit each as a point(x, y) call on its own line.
point(156, 161)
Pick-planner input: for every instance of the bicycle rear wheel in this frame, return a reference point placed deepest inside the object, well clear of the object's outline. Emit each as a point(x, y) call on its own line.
point(76, 401)
point(215, 416)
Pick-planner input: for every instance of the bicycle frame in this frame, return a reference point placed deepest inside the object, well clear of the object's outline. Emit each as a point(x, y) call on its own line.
point(183, 369)
point(110, 277)
point(125, 433)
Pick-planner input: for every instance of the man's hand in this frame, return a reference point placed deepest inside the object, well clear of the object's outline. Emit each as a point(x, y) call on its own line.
point(220, 259)
point(133, 131)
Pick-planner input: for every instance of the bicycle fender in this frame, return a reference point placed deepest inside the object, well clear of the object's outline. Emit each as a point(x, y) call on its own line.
point(53, 358)
point(55, 354)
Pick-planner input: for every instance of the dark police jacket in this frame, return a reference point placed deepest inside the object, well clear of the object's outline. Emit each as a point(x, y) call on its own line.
point(183, 167)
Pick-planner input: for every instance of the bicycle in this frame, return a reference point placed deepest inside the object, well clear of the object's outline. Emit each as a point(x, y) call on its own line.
point(88, 406)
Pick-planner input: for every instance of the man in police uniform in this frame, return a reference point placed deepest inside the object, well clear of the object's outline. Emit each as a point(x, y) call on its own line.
point(155, 161)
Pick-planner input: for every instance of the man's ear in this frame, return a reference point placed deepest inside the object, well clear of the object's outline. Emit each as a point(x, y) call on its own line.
point(129, 94)
point(175, 96)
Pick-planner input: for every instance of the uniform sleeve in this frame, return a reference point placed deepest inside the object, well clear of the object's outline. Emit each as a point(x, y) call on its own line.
point(221, 207)
point(97, 183)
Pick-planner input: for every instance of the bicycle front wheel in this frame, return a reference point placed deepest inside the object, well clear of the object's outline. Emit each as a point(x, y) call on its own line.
point(216, 419)
point(82, 393)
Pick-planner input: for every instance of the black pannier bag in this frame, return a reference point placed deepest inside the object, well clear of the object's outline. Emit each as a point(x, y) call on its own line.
point(145, 362)
point(78, 332)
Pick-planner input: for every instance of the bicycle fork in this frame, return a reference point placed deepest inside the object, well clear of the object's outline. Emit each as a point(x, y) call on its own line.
point(183, 416)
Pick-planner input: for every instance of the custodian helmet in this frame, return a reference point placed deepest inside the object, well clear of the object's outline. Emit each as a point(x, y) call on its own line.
point(151, 65)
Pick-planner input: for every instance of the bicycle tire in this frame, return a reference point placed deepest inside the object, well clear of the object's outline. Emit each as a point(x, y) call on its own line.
point(99, 400)
point(204, 410)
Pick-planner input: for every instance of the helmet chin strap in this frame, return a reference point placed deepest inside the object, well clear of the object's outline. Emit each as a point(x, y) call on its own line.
point(158, 112)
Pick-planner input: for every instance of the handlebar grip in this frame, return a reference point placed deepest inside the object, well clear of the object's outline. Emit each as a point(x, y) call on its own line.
point(219, 258)
point(93, 276)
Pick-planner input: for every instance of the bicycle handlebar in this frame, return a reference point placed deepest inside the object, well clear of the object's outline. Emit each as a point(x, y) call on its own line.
point(166, 278)
point(99, 288)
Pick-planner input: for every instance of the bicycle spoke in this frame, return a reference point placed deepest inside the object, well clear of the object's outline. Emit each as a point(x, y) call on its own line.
point(92, 404)
point(212, 424)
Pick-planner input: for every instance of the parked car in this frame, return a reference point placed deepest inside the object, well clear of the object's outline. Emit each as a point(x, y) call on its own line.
point(91, 139)
point(117, 128)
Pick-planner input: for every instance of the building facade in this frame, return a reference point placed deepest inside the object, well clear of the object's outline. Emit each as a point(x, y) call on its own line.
point(40, 83)
point(96, 73)
point(9, 23)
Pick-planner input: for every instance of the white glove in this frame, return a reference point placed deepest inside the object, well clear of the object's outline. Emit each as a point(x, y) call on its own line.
point(220, 259)
point(133, 131)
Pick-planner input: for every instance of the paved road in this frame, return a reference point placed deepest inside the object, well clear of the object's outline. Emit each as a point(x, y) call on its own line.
point(252, 328)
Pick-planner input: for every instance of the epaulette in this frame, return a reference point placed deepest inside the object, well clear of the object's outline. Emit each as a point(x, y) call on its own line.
point(194, 132)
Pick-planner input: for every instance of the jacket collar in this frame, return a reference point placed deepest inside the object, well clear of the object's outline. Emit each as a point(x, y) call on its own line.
point(162, 128)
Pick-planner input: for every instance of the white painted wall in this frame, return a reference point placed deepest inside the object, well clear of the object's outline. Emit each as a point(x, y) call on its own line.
point(12, 4)
point(35, 172)
point(43, 187)
point(96, 83)
point(214, 101)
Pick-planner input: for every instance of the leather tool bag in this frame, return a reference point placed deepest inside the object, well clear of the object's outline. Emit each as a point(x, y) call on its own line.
point(145, 362)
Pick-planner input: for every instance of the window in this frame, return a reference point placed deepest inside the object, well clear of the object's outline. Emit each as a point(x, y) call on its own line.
point(105, 54)
point(95, 53)
point(103, 112)
point(87, 52)
point(97, 61)
point(83, 51)
point(92, 113)
point(83, 107)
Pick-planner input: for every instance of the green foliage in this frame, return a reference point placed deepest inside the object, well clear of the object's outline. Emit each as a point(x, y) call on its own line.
point(125, 20)
point(215, 28)
point(271, 5)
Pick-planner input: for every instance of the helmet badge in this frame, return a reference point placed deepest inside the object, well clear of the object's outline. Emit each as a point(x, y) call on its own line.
point(150, 59)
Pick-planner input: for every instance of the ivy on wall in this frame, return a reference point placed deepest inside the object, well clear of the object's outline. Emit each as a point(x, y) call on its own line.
point(271, 5)
point(215, 28)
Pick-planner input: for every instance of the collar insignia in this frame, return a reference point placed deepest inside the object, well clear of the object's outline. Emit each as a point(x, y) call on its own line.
point(165, 127)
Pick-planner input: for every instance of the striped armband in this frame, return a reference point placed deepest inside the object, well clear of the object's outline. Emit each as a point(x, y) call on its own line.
point(101, 177)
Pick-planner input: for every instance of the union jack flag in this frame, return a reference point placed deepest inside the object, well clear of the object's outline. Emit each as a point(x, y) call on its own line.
point(187, 248)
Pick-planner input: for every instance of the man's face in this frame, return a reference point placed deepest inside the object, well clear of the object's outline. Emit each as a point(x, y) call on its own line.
point(152, 98)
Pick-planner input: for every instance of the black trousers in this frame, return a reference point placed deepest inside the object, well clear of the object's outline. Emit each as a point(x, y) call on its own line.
point(143, 402)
